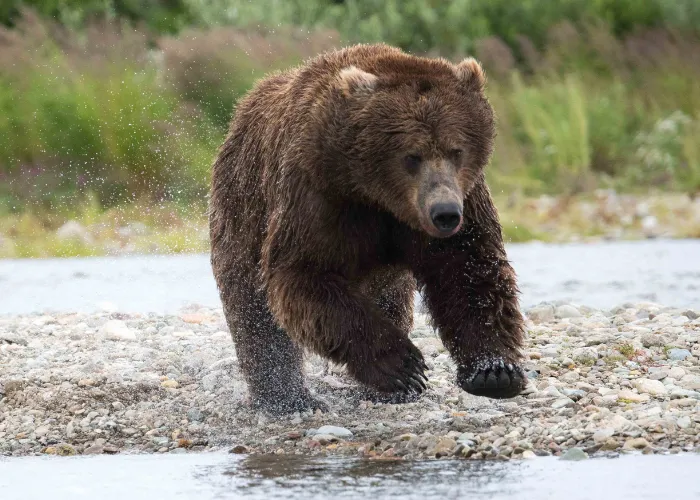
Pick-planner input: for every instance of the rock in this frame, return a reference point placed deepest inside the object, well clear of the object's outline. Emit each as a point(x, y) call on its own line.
point(567, 311)
point(678, 354)
point(653, 340)
point(443, 447)
point(574, 394)
point(684, 422)
point(73, 230)
point(628, 395)
point(676, 373)
point(11, 338)
point(195, 415)
point(541, 313)
point(340, 432)
point(574, 455)
point(585, 355)
point(691, 315)
point(239, 449)
point(610, 445)
point(529, 454)
point(690, 382)
point(602, 435)
point(325, 439)
point(117, 330)
point(636, 444)
point(679, 393)
point(95, 449)
point(41, 431)
point(170, 384)
point(570, 377)
point(562, 403)
point(647, 386)
point(61, 449)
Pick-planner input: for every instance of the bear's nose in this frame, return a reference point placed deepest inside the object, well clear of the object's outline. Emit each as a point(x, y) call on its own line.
point(446, 216)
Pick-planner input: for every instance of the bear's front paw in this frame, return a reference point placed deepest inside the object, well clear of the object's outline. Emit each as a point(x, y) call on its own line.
point(494, 378)
point(397, 368)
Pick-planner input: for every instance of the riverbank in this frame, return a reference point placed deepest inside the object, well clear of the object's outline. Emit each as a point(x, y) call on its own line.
point(152, 230)
point(601, 381)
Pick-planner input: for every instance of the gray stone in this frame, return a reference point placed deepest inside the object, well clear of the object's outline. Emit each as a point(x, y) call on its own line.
point(562, 403)
point(333, 430)
point(684, 422)
point(195, 415)
point(602, 435)
point(678, 354)
point(585, 355)
point(567, 311)
point(648, 386)
point(574, 455)
point(541, 313)
point(117, 330)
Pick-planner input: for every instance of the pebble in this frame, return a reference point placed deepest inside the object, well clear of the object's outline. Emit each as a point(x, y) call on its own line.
point(542, 313)
point(567, 311)
point(648, 386)
point(678, 354)
point(574, 455)
point(339, 432)
point(117, 330)
point(636, 444)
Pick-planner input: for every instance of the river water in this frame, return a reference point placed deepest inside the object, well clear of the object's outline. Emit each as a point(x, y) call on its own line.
point(220, 476)
point(596, 275)
point(601, 275)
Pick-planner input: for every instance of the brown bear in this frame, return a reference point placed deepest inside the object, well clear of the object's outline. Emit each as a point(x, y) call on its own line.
point(344, 186)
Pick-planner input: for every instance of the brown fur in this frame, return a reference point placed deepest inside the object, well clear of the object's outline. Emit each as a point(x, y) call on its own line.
point(320, 225)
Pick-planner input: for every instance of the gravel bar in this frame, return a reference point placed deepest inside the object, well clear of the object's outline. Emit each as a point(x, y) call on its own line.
point(601, 383)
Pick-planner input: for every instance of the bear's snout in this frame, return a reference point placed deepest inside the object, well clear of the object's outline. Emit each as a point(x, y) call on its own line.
point(446, 217)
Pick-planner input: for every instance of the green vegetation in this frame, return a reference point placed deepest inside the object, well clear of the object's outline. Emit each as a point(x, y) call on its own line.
point(111, 104)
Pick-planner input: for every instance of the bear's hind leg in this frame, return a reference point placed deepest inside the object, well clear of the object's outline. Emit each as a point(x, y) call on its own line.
point(270, 361)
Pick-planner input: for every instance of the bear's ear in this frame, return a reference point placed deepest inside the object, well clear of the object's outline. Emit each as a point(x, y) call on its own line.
point(352, 81)
point(470, 72)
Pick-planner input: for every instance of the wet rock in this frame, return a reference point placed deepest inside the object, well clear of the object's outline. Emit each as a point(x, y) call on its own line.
point(239, 449)
point(636, 444)
point(61, 449)
point(94, 450)
point(574, 455)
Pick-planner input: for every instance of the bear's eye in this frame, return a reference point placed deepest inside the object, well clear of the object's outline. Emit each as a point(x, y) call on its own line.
point(456, 154)
point(412, 163)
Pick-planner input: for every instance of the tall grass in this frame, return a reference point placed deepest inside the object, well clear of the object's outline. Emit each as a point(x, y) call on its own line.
point(119, 114)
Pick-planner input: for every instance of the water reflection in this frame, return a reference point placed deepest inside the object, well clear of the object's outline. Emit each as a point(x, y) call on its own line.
point(271, 476)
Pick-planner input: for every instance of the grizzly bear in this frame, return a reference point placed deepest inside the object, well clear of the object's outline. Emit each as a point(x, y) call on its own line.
point(343, 186)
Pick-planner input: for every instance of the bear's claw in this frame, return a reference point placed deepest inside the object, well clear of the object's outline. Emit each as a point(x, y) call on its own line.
point(492, 379)
point(398, 369)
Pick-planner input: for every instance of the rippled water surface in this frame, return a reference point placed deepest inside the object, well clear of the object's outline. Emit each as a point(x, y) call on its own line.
point(220, 476)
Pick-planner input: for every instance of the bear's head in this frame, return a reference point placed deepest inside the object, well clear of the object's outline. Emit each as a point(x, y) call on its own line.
point(413, 137)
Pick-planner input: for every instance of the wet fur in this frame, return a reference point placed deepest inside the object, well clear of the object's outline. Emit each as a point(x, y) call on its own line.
point(316, 233)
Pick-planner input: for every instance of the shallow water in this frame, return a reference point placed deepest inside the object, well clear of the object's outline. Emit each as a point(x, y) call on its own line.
point(222, 476)
point(597, 275)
